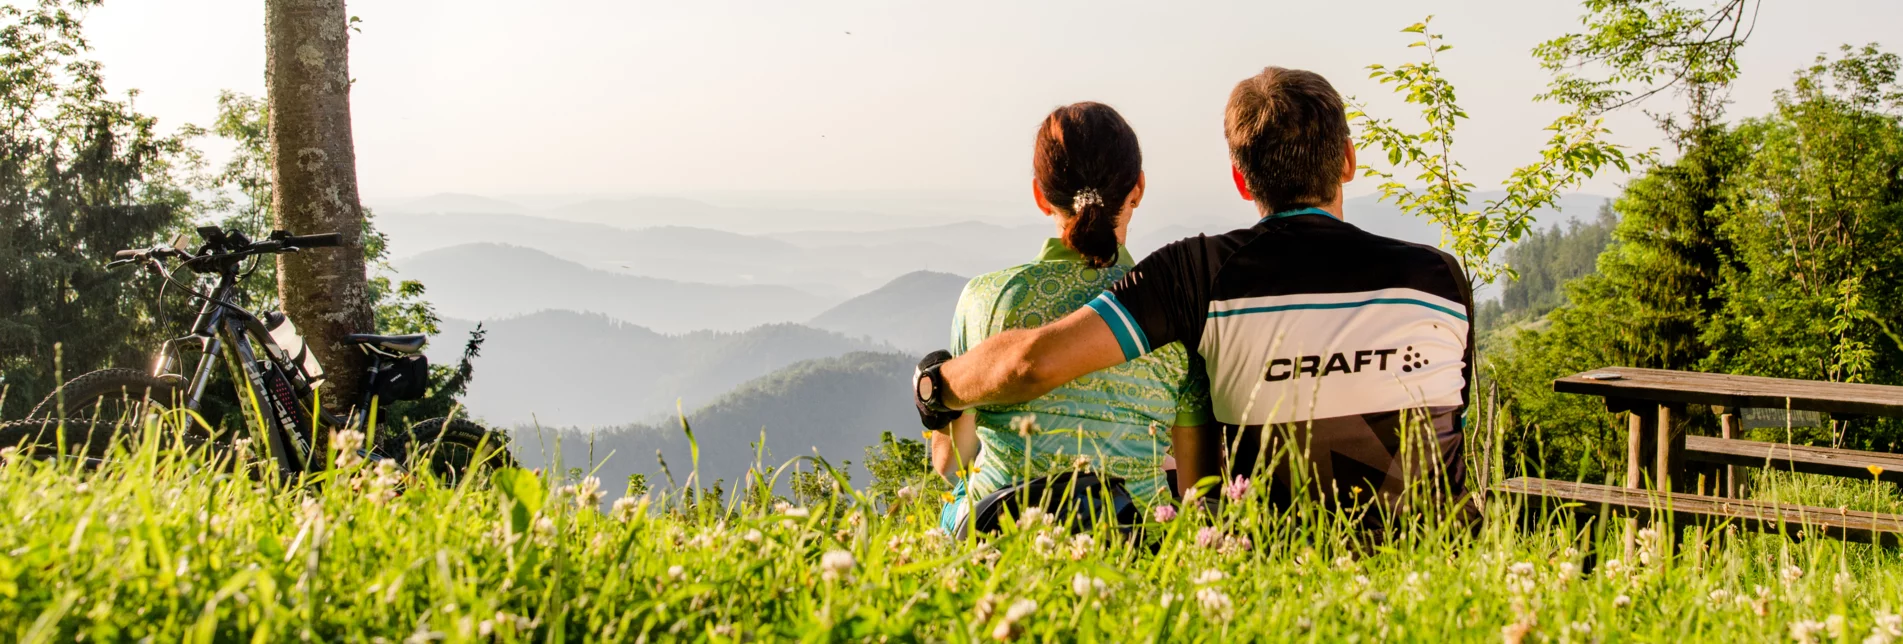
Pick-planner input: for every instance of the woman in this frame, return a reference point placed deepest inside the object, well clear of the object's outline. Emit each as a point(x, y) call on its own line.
point(1121, 422)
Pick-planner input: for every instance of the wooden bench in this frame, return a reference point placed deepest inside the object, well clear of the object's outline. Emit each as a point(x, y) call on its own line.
point(1658, 478)
point(1711, 512)
point(1658, 447)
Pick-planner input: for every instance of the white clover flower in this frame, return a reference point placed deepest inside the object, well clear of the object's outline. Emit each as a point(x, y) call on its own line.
point(1791, 574)
point(836, 564)
point(626, 508)
point(1081, 462)
point(1087, 586)
point(1208, 577)
point(1719, 596)
point(1215, 604)
point(1568, 571)
point(1344, 562)
point(1887, 630)
point(1805, 630)
point(587, 493)
point(1044, 544)
point(752, 536)
point(1843, 582)
point(347, 442)
point(1621, 601)
point(1837, 626)
point(545, 525)
point(1080, 546)
point(1522, 569)
point(1614, 567)
point(676, 573)
point(9, 454)
point(908, 493)
point(797, 511)
point(1035, 516)
point(1008, 628)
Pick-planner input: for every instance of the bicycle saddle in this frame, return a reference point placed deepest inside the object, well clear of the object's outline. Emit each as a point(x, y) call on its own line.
point(411, 343)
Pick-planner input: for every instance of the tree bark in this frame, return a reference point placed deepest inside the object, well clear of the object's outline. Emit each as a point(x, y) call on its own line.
point(314, 173)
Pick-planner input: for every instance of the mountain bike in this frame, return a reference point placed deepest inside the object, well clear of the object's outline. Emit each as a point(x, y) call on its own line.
point(276, 378)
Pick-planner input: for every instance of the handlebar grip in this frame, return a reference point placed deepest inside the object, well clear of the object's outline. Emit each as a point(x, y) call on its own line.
point(128, 255)
point(315, 241)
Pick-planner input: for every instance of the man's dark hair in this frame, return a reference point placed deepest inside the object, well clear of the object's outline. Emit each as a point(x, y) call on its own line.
point(1288, 134)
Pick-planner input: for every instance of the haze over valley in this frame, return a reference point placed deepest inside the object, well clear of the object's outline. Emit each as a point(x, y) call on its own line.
point(607, 318)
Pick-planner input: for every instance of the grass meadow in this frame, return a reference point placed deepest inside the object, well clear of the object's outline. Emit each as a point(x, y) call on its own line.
point(166, 546)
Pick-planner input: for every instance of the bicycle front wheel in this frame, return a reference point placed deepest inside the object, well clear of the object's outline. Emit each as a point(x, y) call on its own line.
point(48, 438)
point(110, 396)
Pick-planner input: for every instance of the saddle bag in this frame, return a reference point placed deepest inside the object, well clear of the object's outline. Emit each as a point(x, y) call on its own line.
point(405, 378)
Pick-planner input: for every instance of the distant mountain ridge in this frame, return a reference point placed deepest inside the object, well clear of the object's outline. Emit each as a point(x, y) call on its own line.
point(913, 312)
point(483, 281)
point(567, 369)
point(836, 406)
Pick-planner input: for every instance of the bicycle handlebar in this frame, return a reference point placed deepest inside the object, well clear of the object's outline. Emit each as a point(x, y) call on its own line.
point(325, 240)
point(280, 242)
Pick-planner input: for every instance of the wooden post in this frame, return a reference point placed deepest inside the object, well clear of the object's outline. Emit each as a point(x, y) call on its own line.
point(1728, 429)
point(1669, 474)
point(1640, 441)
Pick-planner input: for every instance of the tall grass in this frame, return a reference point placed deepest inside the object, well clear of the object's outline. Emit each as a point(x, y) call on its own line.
point(179, 546)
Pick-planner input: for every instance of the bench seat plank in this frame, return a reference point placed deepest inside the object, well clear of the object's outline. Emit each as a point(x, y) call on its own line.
point(1685, 509)
point(1666, 386)
point(1847, 463)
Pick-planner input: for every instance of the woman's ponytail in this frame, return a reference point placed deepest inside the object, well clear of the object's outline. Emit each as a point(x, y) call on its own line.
point(1086, 162)
point(1092, 229)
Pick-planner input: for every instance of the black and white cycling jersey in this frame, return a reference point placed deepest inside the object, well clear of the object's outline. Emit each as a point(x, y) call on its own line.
point(1307, 322)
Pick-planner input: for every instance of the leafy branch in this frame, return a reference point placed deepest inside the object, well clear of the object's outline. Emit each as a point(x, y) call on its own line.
point(1576, 150)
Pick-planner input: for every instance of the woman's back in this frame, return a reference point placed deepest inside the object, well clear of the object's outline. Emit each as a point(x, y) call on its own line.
point(1119, 418)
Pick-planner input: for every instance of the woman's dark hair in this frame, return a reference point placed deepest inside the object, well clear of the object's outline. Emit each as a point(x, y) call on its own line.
point(1086, 162)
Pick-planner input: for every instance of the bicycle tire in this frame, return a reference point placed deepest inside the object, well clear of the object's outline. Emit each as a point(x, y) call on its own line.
point(451, 447)
point(87, 391)
point(40, 438)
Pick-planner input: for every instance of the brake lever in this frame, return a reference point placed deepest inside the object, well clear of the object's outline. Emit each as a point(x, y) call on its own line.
point(118, 262)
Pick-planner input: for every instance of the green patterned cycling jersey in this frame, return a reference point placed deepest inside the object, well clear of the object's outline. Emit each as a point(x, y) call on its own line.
point(1119, 418)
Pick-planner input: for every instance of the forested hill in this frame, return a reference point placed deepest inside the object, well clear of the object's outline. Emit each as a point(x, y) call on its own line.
point(567, 369)
point(836, 405)
point(912, 312)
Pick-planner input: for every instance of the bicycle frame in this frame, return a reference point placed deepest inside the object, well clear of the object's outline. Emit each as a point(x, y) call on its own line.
point(276, 389)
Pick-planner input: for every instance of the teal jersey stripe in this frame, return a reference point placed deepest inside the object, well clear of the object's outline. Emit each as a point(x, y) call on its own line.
point(1129, 337)
point(1339, 305)
point(1304, 211)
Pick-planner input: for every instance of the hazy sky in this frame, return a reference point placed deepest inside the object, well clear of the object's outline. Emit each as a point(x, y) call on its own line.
point(561, 96)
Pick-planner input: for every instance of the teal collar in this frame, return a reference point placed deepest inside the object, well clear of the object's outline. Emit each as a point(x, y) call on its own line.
point(1304, 211)
point(1055, 251)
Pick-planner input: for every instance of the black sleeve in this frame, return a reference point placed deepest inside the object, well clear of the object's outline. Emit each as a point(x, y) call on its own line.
point(1163, 299)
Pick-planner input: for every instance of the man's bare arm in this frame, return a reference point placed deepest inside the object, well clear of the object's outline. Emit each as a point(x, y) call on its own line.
point(1022, 364)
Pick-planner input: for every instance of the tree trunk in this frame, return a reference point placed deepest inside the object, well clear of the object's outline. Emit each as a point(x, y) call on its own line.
point(314, 172)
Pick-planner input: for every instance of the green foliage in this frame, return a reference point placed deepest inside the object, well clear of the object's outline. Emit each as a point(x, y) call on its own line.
point(1574, 151)
point(901, 464)
point(81, 175)
point(1643, 47)
point(1545, 261)
point(1766, 249)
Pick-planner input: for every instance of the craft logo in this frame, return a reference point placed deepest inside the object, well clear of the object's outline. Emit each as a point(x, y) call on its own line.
point(1318, 366)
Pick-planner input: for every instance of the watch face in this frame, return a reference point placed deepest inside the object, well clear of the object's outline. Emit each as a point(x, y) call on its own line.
point(924, 387)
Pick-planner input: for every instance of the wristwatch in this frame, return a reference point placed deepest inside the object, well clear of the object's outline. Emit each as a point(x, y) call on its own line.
point(929, 387)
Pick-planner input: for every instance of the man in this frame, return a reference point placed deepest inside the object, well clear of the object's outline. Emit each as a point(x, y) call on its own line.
point(1348, 343)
